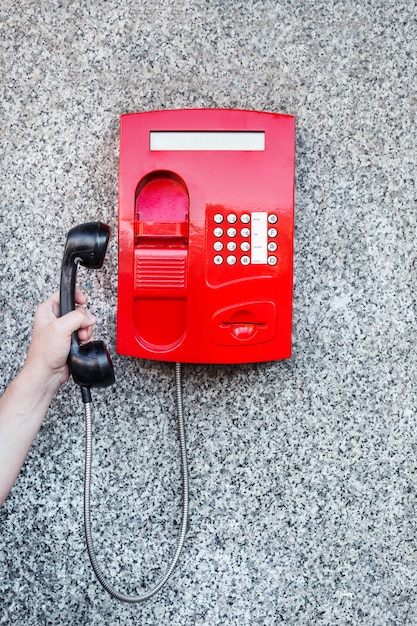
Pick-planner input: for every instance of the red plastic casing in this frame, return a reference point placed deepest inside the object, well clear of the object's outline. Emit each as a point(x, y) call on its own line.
point(180, 297)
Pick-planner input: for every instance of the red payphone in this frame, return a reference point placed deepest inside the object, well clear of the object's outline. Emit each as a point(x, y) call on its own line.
point(206, 203)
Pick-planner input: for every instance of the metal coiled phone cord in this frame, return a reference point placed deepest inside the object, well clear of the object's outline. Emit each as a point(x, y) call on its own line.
point(87, 489)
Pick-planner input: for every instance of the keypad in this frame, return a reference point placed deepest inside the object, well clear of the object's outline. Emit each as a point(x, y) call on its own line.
point(233, 240)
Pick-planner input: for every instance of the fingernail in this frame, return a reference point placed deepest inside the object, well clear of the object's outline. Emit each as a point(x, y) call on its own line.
point(91, 316)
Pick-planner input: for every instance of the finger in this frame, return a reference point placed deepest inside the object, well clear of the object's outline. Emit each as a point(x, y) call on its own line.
point(75, 320)
point(85, 334)
point(85, 331)
point(91, 319)
point(80, 296)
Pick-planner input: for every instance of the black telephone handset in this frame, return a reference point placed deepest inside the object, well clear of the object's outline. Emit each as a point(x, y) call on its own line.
point(90, 364)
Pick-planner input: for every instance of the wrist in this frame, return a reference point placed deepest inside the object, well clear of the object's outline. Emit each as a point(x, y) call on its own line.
point(42, 381)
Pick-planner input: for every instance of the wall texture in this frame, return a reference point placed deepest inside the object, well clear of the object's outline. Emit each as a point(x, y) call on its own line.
point(303, 486)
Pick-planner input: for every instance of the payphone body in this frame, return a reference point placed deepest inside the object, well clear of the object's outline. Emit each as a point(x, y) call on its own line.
point(206, 215)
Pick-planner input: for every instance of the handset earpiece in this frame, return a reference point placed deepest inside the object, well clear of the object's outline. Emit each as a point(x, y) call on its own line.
point(90, 364)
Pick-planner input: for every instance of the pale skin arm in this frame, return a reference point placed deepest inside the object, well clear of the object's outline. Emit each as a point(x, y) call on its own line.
point(26, 400)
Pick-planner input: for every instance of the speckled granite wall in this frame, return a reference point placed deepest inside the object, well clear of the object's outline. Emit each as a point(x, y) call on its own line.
point(303, 473)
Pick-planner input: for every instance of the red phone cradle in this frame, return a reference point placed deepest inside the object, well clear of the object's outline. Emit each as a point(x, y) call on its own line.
point(206, 220)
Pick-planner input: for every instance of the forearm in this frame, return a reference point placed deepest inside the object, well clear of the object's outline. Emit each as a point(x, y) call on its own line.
point(22, 409)
point(26, 400)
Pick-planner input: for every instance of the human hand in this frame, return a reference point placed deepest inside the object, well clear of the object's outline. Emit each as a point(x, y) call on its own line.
point(51, 339)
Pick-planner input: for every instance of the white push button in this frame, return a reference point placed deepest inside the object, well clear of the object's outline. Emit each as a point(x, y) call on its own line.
point(218, 232)
point(218, 218)
point(259, 238)
point(218, 259)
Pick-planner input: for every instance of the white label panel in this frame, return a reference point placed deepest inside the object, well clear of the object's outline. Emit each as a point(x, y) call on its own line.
point(259, 238)
point(207, 140)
